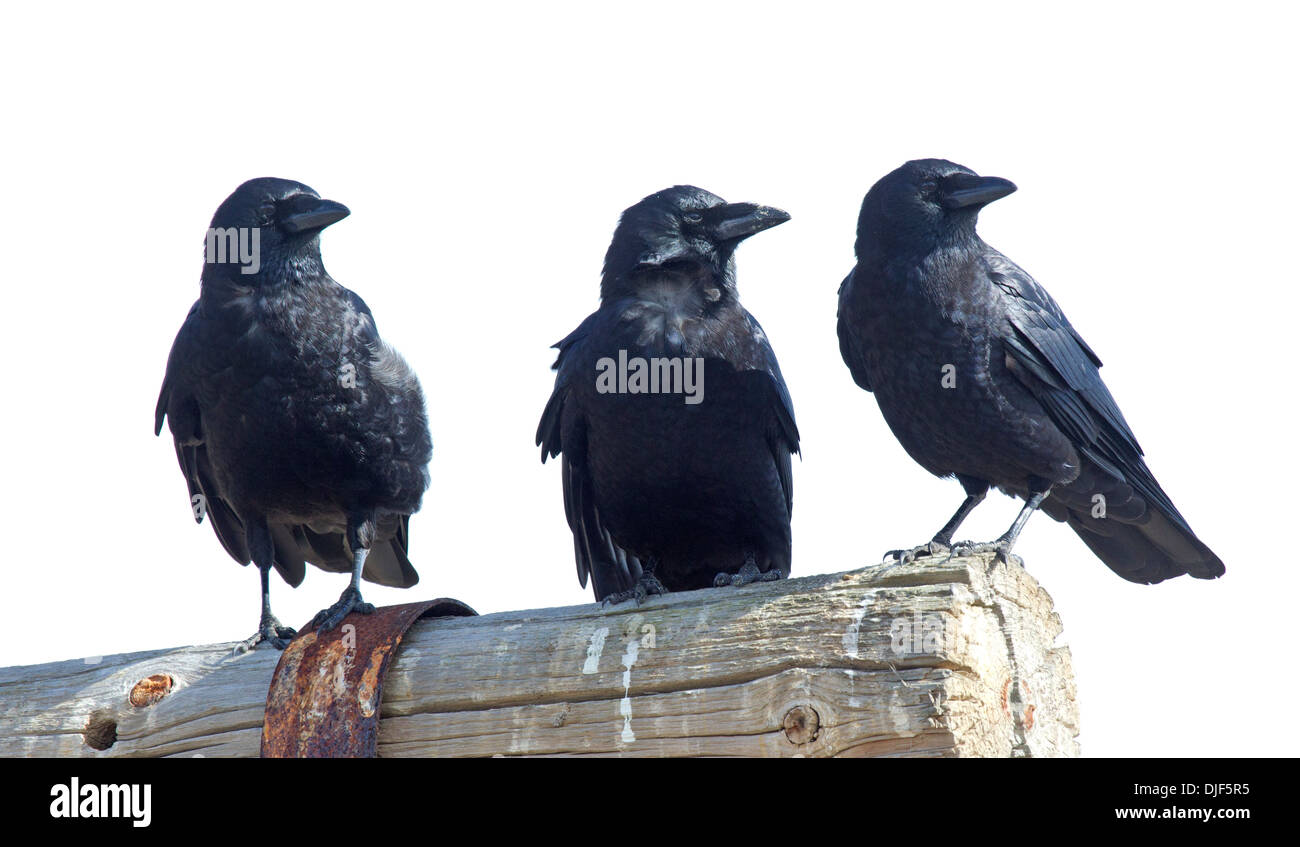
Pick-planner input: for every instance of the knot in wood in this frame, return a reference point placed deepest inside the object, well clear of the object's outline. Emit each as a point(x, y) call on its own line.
point(801, 724)
point(150, 690)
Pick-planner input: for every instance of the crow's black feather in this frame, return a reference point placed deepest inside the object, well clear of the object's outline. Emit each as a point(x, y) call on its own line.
point(980, 375)
point(304, 434)
point(654, 486)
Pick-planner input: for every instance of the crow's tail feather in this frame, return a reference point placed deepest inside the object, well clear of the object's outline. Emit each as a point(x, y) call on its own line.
point(1133, 528)
point(386, 563)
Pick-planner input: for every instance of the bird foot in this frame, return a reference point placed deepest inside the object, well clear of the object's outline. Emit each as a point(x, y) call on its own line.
point(1001, 547)
point(349, 601)
point(748, 573)
point(647, 585)
point(906, 557)
point(270, 630)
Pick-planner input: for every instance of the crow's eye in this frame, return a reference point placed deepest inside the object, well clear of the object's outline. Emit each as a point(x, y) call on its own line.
point(692, 217)
point(266, 211)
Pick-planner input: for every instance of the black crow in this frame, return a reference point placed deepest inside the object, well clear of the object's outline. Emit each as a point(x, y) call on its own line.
point(980, 376)
point(670, 410)
point(299, 431)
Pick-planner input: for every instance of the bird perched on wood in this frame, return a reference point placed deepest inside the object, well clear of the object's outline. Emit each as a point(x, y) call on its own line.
point(674, 422)
point(300, 432)
point(980, 376)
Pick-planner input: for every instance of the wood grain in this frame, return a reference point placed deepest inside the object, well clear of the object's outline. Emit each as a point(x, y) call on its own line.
point(933, 658)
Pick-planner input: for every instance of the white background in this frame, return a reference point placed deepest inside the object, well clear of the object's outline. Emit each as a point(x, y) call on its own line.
point(486, 152)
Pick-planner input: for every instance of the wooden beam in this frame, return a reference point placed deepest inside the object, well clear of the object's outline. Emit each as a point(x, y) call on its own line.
point(934, 658)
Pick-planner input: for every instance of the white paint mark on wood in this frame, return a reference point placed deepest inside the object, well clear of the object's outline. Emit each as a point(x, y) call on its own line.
point(855, 626)
point(625, 705)
point(594, 649)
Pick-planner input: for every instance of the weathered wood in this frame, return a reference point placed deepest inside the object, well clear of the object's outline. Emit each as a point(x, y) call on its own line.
point(955, 658)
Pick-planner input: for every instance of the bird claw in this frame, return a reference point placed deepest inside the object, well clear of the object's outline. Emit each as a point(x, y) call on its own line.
point(647, 585)
point(906, 557)
point(1001, 548)
point(350, 601)
point(270, 630)
point(748, 573)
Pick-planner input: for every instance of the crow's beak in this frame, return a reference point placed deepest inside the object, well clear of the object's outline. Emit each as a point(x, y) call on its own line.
point(963, 190)
point(736, 221)
point(315, 215)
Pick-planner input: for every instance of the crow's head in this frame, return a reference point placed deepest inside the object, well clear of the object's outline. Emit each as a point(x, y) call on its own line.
point(266, 224)
point(681, 230)
point(924, 204)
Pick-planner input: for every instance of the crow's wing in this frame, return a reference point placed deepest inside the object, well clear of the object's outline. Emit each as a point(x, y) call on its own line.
point(847, 353)
point(611, 568)
point(178, 405)
point(783, 441)
point(1067, 382)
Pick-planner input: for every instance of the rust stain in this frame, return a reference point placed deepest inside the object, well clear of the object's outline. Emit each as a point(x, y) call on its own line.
point(1028, 714)
point(372, 678)
point(150, 690)
point(323, 701)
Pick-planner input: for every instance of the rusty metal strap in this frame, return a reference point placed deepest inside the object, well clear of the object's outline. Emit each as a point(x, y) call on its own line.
point(325, 695)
